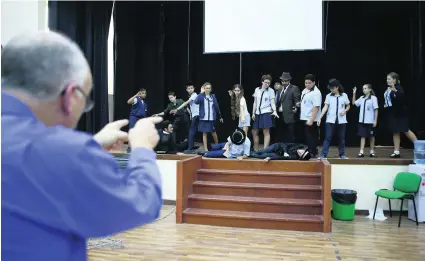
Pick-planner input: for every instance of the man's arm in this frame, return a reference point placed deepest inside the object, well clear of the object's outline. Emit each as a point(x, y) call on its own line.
point(98, 199)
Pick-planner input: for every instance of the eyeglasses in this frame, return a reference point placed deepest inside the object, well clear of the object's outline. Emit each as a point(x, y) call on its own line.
point(89, 103)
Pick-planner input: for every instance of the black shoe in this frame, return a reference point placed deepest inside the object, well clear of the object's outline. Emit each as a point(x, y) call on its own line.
point(395, 155)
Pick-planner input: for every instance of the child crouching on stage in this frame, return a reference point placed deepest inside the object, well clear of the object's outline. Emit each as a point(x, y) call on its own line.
point(368, 118)
point(237, 146)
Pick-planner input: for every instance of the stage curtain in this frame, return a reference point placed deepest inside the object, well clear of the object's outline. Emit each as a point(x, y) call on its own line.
point(87, 23)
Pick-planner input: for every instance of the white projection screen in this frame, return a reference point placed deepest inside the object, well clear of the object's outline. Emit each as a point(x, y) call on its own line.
point(235, 26)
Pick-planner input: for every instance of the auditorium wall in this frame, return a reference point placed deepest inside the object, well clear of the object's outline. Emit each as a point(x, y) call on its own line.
point(22, 16)
point(365, 179)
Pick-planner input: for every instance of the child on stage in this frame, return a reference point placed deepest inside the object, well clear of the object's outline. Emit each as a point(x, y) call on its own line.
point(209, 111)
point(368, 118)
point(336, 106)
point(139, 107)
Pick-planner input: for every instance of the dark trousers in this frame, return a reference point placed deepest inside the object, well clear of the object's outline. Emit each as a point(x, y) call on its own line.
point(192, 132)
point(181, 127)
point(312, 137)
point(216, 151)
point(329, 131)
point(284, 132)
point(132, 121)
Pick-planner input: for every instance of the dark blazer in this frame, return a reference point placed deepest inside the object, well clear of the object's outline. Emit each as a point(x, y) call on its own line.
point(288, 100)
point(200, 100)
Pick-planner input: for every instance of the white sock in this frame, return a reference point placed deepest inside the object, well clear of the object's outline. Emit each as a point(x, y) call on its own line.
point(397, 152)
point(361, 151)
point(372, 151)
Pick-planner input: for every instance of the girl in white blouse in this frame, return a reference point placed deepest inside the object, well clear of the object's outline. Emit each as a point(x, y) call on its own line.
point(239, 108)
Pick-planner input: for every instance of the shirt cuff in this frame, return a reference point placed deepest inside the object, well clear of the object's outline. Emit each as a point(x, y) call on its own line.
point(139, 155)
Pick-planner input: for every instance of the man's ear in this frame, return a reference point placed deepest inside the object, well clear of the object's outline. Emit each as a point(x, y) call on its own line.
point(66, 99)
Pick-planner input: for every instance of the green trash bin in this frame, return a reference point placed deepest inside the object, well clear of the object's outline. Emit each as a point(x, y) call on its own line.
point(343, 204)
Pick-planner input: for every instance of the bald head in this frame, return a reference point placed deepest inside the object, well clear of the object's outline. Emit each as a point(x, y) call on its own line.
point(42, 64)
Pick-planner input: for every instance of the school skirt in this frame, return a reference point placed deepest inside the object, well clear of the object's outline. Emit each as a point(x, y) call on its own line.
point(263, 121)
point(247, 122)
point(206, 126)
point(397, 124)
point(365, 130)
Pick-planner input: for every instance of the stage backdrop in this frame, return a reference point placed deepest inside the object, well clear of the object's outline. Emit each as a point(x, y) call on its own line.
point(159, 46)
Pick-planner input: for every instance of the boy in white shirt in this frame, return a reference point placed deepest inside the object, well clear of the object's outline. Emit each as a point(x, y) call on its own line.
point(311, 100)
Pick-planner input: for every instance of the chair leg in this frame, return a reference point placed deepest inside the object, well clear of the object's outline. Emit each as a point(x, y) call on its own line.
point(414, 207)
point(376, 204)
point(389, 203)
point(401, 208)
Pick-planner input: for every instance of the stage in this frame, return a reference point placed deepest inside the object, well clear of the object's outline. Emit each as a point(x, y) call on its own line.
point(365, 175)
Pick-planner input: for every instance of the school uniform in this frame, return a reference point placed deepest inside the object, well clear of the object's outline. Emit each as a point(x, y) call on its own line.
point(229, 150)
point(245, 112)
point(139, 110)
point(180, 119)
point(336, 105)
point(310, 99)
point(367, 106)
point(263, 110)
point(194, 111)
point(396, 110)
point(208, 112)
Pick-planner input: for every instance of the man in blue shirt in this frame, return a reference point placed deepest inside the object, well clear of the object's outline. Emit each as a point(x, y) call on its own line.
point(61, 186)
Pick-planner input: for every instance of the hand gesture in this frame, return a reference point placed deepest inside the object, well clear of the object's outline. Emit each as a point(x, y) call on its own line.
point(144, 133)
point(221, 120)
point(342, 113)
point(173, 111)
point(240, 158)
point(374, 124)
point(230, 93)
point(267, 159)
point(202, 89)
point(253, 117)
point(275, 114)
point(139, 93)
point(318, 122)
point(309, 122)
point(111, 136)
point(354, 89)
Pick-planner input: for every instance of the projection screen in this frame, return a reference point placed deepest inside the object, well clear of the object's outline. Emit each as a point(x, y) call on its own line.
point(234, 26)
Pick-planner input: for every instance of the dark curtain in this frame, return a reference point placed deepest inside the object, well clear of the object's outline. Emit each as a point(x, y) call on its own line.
point(87, 23)
point(364, 42)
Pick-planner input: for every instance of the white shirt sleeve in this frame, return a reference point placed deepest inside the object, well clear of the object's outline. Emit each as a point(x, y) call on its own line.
point(375, 102)
point(317, 99)
point(193, 96)
point(358, 102)
point(272, 94)
point(243, 102)
point(134, 101)
point(327, 99)
point(347, 101)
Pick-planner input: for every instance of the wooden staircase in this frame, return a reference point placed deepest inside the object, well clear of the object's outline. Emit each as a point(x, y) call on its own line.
point(290, 195)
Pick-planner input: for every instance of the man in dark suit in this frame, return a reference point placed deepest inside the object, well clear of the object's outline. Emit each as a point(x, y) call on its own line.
point(287, 103)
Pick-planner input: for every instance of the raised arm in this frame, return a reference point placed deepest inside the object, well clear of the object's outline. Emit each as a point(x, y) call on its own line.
point(131, 100)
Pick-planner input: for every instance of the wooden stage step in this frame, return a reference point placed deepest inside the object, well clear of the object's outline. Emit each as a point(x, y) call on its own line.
point(255, 176)
point(256, 204)
point(254, 194)
point(253, 219)
point(266, 190)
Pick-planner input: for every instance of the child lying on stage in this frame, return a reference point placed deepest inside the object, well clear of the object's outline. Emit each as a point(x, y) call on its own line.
point(237, 146)
point(283, 151)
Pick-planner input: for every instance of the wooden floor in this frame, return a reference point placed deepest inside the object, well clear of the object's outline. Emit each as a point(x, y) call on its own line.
point(361, 239)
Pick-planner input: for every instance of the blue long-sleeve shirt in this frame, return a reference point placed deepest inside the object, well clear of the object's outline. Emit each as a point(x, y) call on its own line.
point(59, 187)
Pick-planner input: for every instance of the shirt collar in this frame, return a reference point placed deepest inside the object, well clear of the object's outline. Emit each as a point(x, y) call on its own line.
point(333, 94)
point(12, 105)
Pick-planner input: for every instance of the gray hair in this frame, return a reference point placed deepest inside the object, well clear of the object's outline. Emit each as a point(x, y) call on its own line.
point(42, 64)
